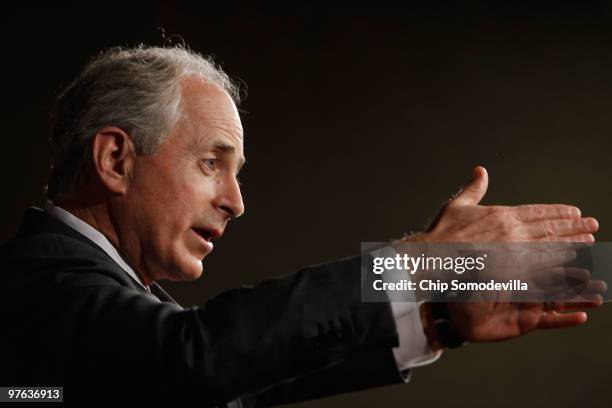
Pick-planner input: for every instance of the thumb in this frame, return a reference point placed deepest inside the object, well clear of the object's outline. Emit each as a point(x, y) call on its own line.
point(474, 191)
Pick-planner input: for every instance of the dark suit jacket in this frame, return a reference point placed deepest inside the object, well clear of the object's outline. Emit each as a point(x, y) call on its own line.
point(72, 317)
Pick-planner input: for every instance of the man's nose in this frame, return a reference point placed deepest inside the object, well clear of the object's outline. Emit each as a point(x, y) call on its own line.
point(230, 199)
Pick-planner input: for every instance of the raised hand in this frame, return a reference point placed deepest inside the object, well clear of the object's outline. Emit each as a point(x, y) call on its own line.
point(463, 219)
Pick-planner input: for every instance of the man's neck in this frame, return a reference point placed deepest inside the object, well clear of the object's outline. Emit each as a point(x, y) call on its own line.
point(97, 215)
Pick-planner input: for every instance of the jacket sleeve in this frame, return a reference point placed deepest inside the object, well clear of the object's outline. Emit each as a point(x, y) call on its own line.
point(362, 370)
point(242, 342)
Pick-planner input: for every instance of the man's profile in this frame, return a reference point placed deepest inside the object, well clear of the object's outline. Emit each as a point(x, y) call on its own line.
point(148, 146)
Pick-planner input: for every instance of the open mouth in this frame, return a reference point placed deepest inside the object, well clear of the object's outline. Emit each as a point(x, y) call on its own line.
point(208, 235)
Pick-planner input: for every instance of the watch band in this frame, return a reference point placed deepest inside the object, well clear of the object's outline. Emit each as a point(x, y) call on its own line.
point(445, 329)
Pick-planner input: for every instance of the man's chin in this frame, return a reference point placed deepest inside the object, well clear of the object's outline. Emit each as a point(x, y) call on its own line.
point(188, 271)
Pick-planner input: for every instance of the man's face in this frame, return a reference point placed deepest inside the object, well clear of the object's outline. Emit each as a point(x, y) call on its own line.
point(182, 197)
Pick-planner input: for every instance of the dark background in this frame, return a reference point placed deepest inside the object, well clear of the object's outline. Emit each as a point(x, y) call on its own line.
point(359, 123)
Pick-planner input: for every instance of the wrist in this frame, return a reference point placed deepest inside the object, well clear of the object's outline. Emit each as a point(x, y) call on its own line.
point(414, 237)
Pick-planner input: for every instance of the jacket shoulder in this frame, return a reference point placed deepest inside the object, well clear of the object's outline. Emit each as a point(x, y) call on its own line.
point(57, 258)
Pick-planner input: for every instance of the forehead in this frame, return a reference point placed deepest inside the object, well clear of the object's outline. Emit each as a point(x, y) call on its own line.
point(209, 114)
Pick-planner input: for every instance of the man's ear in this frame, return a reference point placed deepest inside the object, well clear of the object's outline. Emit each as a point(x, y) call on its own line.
point(113, 155)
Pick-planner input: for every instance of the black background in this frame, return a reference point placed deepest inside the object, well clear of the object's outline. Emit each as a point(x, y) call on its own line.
point(358, 123)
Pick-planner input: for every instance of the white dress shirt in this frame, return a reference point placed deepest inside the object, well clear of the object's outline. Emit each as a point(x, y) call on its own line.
point(413, 350)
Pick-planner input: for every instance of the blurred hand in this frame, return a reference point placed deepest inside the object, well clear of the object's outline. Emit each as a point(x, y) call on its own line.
point(462, 219)
point(497, 321)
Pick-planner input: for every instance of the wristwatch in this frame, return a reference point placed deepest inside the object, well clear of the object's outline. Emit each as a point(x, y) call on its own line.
point(445, 329)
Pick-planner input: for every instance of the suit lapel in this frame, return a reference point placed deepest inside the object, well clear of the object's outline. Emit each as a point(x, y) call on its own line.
point(161, 294)
point(37, 221)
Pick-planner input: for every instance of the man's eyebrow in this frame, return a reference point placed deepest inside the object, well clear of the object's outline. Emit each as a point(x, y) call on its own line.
point(228, 148)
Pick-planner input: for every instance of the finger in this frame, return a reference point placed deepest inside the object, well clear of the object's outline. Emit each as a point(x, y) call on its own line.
point(561, 277)
point(583, 238)
point(561, 320)
point(571, 306)
point(552, 229)
point(578, 280)
point(592, 291)
point(589, 290)
point(474, 191)
point(537, 212)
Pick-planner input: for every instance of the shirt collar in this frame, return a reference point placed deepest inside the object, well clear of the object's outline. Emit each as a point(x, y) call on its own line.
point(95, 236)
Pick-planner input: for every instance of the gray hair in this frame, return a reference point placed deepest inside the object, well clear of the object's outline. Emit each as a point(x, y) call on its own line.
point(135, 89)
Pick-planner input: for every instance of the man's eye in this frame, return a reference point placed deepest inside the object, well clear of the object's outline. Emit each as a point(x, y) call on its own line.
point(210, 164)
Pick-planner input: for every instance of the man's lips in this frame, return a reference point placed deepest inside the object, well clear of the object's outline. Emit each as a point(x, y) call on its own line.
point(206, 235)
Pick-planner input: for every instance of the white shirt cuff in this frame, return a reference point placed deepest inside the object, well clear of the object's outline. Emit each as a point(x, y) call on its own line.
point(413, 350)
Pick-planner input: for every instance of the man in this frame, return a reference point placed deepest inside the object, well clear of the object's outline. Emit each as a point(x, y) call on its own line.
point(148, 148)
